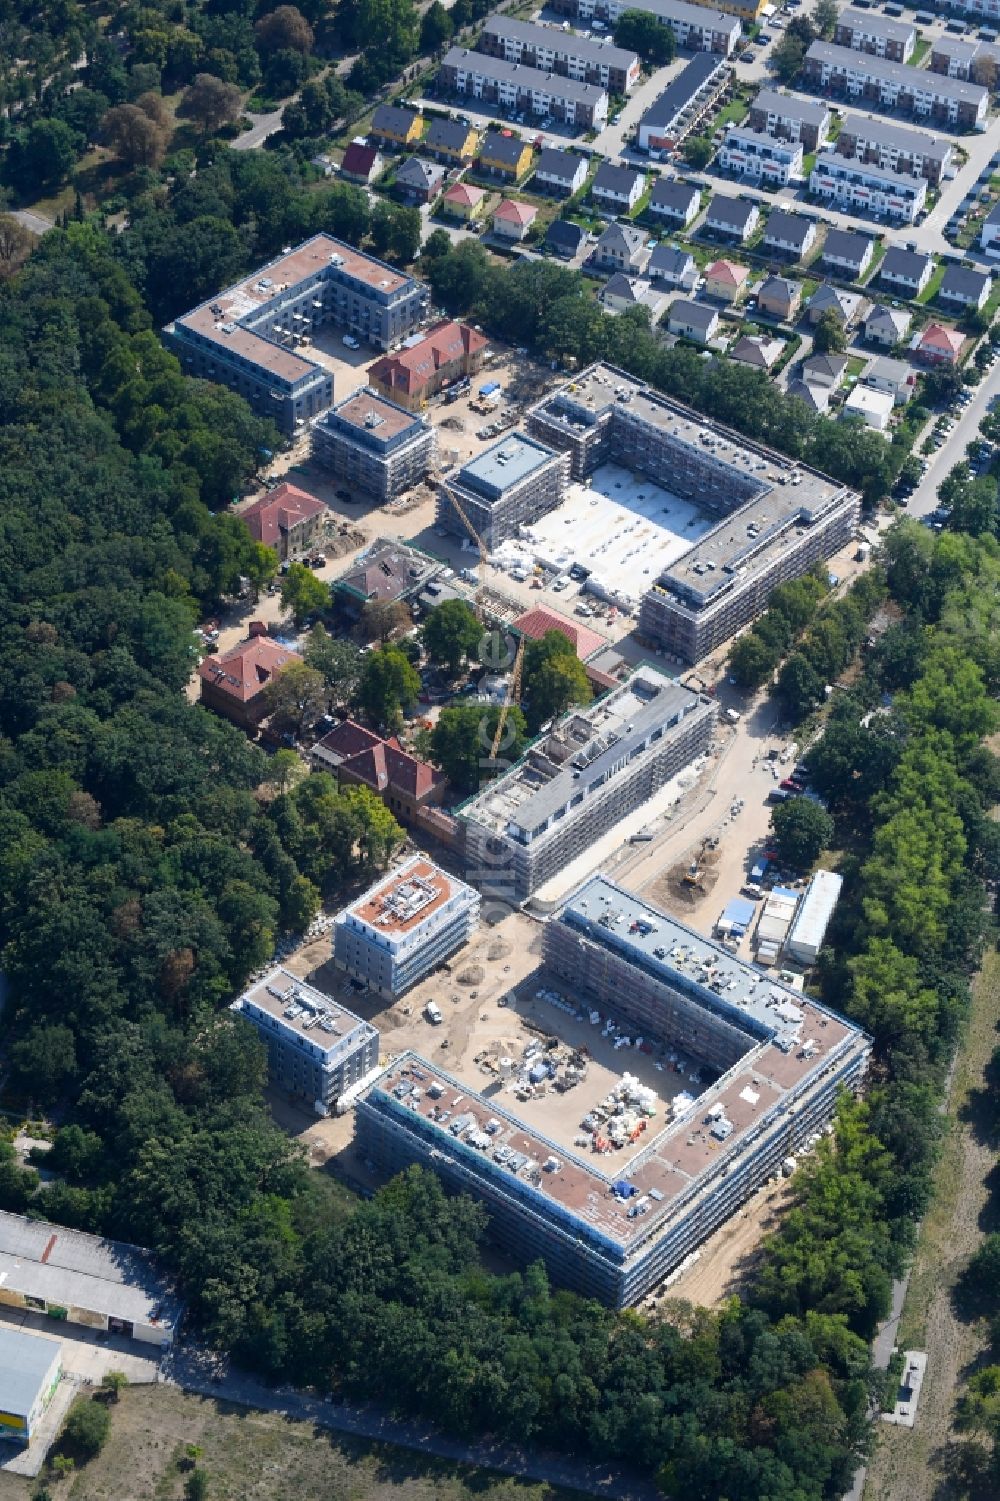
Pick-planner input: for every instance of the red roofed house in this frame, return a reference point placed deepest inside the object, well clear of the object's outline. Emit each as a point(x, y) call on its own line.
point(447, 352)
point(232, 684)
point(362, 163)
point(360, 758)
point(463, 201)
point(513, 220)
point(726, 281)
point(939, 345)
point(538, 622)
point(285, 519)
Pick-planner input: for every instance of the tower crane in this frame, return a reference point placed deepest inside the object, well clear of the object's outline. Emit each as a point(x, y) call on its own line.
point(513, 697)
point(484, 557)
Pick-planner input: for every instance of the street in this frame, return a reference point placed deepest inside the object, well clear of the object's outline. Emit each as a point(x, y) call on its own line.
point(924, 497)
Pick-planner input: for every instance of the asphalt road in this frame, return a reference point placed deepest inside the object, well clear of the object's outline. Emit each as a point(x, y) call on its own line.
point(262, 127)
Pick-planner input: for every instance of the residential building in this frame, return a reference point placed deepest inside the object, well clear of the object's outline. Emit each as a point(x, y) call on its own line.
point(913, 153)
point(685, 104)
point(887, 326)
point(847, 253)
point(672, 267)
point(779, 1062)
point(509, 485)
point(726, 281)
point(676, 202)
point(561, 173)
point(693, 320)
point(781, 297)
point(963, 287)
point(539, 620)
point(824, 370)
point(816, 398)
point(758, 156)
point(867, 31)
point(451, 141)
point(373, 445)
point(805, 938)
point(75, 1278)
point(404, 926)
point(874, 408)
point(621, 292)
point(617, 190)
point(286, 518)
point(938, 345)
point(30, 1370)
point(905, 271)
point(359, 758)
point(868, 189)
point(735, 218)
point(388, 570)
point(890, 85)
point(503, 154)
point(514, 87)
point(757, 350)
point(419, 181)
point(796, 515)
point(990, 234)
point(512, 220)
point(427, 363)
point(791, 235)
point(530, 823)
point(789, 118)
point(362, 163)
point(849, 307)
point(977, 61)
point(251, 336)
point(622, 247)
point(232, 684)
point(895, 377)
point(565, 239)
point(552, 50)
point(396, 126)
point(695, 27)
point(463, 200)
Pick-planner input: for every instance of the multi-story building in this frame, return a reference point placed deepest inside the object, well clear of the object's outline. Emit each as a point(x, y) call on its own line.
point(777, 517)
point(949, 102)
point(912, 152)
point(425, 365)
point(374, 445)
point(978, 61)
point(616, 189)
point(989, 238)
point(755, 155)
point(388, 570)
point(847, 253)
point(404, 926)
point(613, 1227)
point(233, 684)
point(734, 218)
point(561, 173)
point(508, 486)
point(251, 337)
point(696, 27)
point(555, 51)
point(359, 758)
point(788, 234)
point(790, 118)
point(905, 271)
point(677, 203)
point(867, 31)
point(685, 104)
point(316, 1049)
point(514, 87)
point(592, 769)
point(286, 518)
point(867, 189)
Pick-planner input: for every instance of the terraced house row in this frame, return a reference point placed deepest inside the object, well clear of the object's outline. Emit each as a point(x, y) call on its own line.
point(950, 102)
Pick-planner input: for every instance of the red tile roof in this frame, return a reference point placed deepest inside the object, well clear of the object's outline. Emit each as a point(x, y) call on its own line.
point(515, 213)
point(937, 337)
point(465, 193)
point(243, 672)
point(727, 271)
point(359, 159)
point(278, 511)
point(412, 369)
point(535, 623)
point(379, 763)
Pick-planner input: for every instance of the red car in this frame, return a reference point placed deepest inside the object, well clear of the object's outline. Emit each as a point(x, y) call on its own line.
point(789, 784)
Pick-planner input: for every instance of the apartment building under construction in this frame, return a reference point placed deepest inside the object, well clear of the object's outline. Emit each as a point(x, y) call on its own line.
point(508, 486)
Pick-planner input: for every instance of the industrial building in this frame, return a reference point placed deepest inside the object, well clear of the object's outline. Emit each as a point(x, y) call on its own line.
point(556, 51)
point(507, 486)
point(253, 337)
point(316, 1050)
point(30, 1371)
point(778, 517)
point(83, 1279)
point(614, 1226)
point(592, 769)
point(404, 926)
point(374, 445)
point(513, 87)
point(805, 938)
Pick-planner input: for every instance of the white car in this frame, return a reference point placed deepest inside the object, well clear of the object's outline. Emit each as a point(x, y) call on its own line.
point(350, 341)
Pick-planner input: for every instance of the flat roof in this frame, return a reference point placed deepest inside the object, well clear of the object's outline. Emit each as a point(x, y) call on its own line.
point(26, 1362)
point(555, 84)
point(911, 80)
point(561, 41)
point(761, 138)
point(303, 1011)
point(403, 900)
point(373, 416)
point(504, 464)
point(888, 133)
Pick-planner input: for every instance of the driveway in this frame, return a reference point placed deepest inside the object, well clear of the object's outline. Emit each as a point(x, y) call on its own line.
point(261, 127)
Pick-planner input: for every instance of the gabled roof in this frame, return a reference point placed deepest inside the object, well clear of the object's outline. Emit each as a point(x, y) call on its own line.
point(448, 134)
point(963, 284)
point(502, 146)
point(936, 336)
point(464, 193)
point(562, 165)
point(359, 159)
point(674, 196)
point(618, 181)
point(736, 213)
point(413, 366)
point(417, 173)
point(241, 673)
point(846, 245)
point(511, 212)
point(565, 235)
point(903, 265)
point(278, 511)
point(788, 229)
point(895, 372)
point(535, 623)
point(728, 272)
point(695, 314)
point(394, 119)
point(788, 107)
point(669, 260)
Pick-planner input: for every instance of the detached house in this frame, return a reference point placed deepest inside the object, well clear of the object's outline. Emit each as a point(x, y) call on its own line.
point(286, 518)
point(781, 297)
point(511, 221)
point(359, 758)
point(848, 306)
point(847, 253)
point(233, 684)
point(790, 235)
point(418, 181)
point(560, 173)
point(693, 320)
point(362, 163)
point(939, 345)
point(887, 326)
point(504, 155)
point(824, 370)
point(895, 377)
point(726, 281)
point(677, 203)
point(565, 238)
point(617, 190)
point(735, 218)
point(621, 247)
point(396, 127)
point(964, 288)
point(463, 201)
point(905, 271)
point(757, 351)
point(451, 142)
point(673, 268)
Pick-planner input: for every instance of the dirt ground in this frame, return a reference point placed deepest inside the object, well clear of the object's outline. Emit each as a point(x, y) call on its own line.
point(915, 1464)
point(726, 1260)
point(256, 1456)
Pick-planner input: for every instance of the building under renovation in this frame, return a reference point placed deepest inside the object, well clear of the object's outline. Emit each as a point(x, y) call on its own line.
point(776, 517)
point(404, 926)
point(506, 487)
point(611, 1222)
point(588, 773)
point(374, 445)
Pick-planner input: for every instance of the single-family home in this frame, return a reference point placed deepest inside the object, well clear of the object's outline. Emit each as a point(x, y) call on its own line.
point(757, 350)
point(512, 220)
point(989, 238)
point(905, 271)
point(781, 297)
point(726, 281)
point(503, 154)
point(873, 407)
point(965, 288)
point(676, 203)
point(887, 325)
point(564, 238)
point(621, 247)
point(896, 377)
point(847, 253)
point(791, 235)
point(673, 267)
point(824, 370)
point(617, 190)
point(452, 142)
point(848, 306)
point(621, 292)
point(693, 320)
point(463, 201)
point(419, 181)
point(938, 345)
point(734, 218)
point(816, 398)
point(397, 127)
point(362, 163)
point(559, 173)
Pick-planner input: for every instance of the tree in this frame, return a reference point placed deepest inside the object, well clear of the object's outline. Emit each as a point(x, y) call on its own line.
point(114, 1382)
point(44, 1061)
point(461, 743)
point(698, 151)
point(800, 686)
point(829, 336)
point(16, 243)
point(285, 769)
point(787, 57)
point(553, 677)
point(339, 661)
point(801, 828)
point(211, 103)
point(640, 32)
point(751, 660)
point(451, 633)
point(136, 139)
point(284, 30)
point(825, 17)
point(87, 1427)
point(44, 156)
point(296, 697)
point(389, 685)
point(381, 619)
point(436, 28)
point(303, 593)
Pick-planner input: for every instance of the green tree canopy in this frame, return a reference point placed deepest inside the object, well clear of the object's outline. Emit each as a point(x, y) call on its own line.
point(553, 678)
point(303, 593)
point(802, 828)
point(388, 686)
point(640, 32)
point(462, 739)
point(451, 633)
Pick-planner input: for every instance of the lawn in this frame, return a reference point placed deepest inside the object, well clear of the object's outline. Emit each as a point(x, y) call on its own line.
point(856, 363)
point(931, 289)
point(920, 51)
point(808, 162)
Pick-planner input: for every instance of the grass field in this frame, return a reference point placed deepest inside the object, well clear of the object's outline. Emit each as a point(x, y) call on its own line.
point(253, 1456)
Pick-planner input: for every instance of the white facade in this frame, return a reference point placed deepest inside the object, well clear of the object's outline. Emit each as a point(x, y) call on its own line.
point(873, 407)
point(404, 926)
point(871, 190)
point(809, 928)
point(696, 28)
point(756, 155)
point(990, 237)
